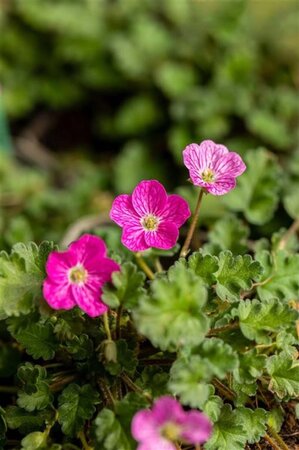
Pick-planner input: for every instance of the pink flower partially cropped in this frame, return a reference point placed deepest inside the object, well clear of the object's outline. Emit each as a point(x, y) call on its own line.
point(149, 217)
point(76, 276)
point(166, 423)
point(213, 167)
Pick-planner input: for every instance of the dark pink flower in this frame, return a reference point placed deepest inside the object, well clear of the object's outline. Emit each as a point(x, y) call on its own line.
point(213, 167)
point(166, 423)
point(76, 276)
point(149, 217)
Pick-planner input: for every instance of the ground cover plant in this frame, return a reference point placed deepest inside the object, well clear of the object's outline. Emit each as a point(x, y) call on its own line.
point(173, 326)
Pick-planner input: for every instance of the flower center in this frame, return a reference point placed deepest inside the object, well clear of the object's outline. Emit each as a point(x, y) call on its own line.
point(171, 431)
point(208, 175)
point(150, 223)
point(78, 275)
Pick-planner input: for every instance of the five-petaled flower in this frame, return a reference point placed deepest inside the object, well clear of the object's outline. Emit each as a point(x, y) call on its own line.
point(76, 276)
point(213, 167)
point(149, 217)
point(166, 423)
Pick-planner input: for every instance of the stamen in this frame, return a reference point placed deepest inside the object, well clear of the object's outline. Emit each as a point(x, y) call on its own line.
point(171, 431)
point(78, 274)
point(208, 175)
point(150, 222)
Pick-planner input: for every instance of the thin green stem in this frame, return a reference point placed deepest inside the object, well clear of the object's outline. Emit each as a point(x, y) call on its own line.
point(158, 265)
point(118, 321)
point(107, 326)
point(8, 389)
point(142, 264)
point(185, 248)
point(271, 442)
point(83, 440)
point(292, 230)
point(278, 438)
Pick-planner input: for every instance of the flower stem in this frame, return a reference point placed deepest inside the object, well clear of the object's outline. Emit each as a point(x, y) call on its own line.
point(106, 326)
point(142, 264)
point(118, 320)
point(271, 442)
point(277, 438)
point(83, 440)
point(185, 248)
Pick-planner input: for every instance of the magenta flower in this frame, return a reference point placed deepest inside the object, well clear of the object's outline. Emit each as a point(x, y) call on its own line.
point(76, 276)
point(166, 423)
point(149, 217)
point(213, 167)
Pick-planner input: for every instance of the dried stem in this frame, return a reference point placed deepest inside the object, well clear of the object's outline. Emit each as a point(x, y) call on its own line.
point(118, 320)
point(271, 442)
point(185, 248)
point(135, 388)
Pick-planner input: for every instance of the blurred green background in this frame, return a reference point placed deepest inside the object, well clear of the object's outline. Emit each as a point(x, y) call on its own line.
point(99, 94)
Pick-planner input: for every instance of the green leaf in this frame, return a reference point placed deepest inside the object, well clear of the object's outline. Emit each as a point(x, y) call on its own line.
point(256, 194)
point(284, 372)
point(174, 306)
point(109, 432)
point(21, 277)
point(254, 422)
point(251, 366)
point(276, 418)
point(281, 276)
point(39, 340)
point(218, 356)
point(127, 287)
point(228, 233)
point(188, 378)
point(76, 405)
point(126, 360)
point(36, 391)
point(228, 433)
point(36, 440)
point(212, 408)
point(236, 273)
point(18, 418)
point(258, 319)
point(80, 347)
point(204, 266)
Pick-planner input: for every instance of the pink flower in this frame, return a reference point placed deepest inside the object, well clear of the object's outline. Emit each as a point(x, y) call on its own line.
point(149, 217)
point(76, 276)
point(166, 423)
point(213, 167)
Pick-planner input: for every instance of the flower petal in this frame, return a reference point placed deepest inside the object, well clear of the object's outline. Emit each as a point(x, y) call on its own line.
point(230, 165)
point(221, 187)
point(133, 238)
point(58, 295)
point(88, 298)
point(164, 237)
point(88, 246)
point(167, 409)
point(149, 196)
point(197, 428)
point(143, 425)
point(157, 442)
point(100, 270)
point(122, 211)
point(58, 265)
point(176, 210)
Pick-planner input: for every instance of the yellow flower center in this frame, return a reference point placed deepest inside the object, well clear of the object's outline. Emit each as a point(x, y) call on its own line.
point(171, 431)
point(150, 223)
point(208, 175)
point(78, 275)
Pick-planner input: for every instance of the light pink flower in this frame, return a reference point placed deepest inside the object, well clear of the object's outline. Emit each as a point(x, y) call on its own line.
point(76, 276)
point(166, 423)
point(149, 217)
point(213, 167)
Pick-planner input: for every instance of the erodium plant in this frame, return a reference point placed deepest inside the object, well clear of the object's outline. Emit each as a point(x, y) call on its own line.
point(145, 346)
